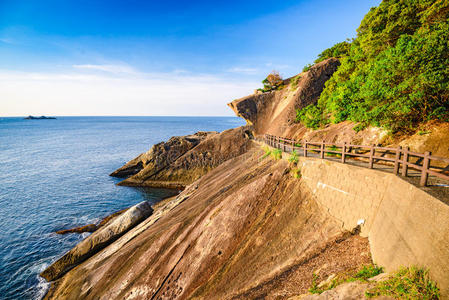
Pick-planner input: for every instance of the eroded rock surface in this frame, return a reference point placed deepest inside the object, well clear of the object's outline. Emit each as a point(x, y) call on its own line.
point(235, 228)
point(98, 240)
point(183, 160)
point(161, 155)
point(275, 112)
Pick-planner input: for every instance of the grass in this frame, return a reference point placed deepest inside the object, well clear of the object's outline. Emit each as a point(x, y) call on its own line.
point(366, 272)
point(276, 153)
point(267, 152)
point(294, 82)
point(407, 283)
point(293, 157)
point(333, 148)
point(296, 173)
point(423, 132)
point(362, 275)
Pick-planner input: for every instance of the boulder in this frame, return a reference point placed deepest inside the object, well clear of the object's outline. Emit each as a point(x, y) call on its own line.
point(98, 240)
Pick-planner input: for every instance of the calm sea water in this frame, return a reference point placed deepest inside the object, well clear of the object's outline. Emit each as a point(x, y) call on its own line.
point(54, 175)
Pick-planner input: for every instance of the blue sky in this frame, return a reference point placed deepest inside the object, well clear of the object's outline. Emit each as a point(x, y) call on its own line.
point(157, 57)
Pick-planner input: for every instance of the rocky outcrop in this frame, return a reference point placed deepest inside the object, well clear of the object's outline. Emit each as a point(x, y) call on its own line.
point(236, 228)
point(98, 240)
point(182, 160)
point(92, 227)
point(161, 155)
point(275, 112)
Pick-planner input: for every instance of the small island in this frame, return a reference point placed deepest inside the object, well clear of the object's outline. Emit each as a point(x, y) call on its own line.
point(39, 118)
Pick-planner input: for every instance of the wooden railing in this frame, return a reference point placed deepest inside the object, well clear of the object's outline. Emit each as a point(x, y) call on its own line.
point(397, 157)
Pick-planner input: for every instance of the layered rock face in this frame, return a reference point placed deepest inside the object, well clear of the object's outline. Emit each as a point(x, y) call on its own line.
point(98, 240)
point(161, 155)
point(275, 112)
point(182, 160)
point(227, 235)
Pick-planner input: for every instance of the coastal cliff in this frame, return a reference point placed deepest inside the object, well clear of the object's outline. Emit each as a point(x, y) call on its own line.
point(182, 160)
point(248, 226)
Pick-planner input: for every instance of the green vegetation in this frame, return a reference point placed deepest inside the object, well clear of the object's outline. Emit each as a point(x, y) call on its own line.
point(333, 148)
point(394, 74)
point(366, 272)
point(294, 82)
point(407, 283)
point(267, 152)
point(314, 289)
point(293, 157)
point(307, 67)
point(423, 132)
point(277, 154)
point(338, 50)
point(296, 172)
point(272, 82)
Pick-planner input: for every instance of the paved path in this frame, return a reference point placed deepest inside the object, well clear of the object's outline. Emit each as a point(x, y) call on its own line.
point(439, 188)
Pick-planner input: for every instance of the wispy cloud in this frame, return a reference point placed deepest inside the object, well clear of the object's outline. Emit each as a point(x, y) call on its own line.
point(83, 93)
point(114, 69)
point(242, 70)
point(7, 41)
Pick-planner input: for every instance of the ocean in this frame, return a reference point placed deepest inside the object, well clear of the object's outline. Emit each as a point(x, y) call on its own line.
point(54, 174)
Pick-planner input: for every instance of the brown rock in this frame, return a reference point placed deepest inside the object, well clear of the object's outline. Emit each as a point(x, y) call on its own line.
point(98, 240)
point(80, 229)
point(161, 155)
point(171, 167)
point(92, 227)
point(275, 112)
point(235, 228)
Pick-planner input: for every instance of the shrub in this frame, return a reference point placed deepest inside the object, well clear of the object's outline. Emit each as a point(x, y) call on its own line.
point(362, 274)
point(267, 152)
point(294, 82)
point(394, 73)
point(272, 82)
point(293, 157)
point(338, 50)
point(314, 289)
point(407, 283)
point(333, 148)
point(296, 173)
point(311, 116)
point(366, 272)
point(307, 67)
point(277, 154)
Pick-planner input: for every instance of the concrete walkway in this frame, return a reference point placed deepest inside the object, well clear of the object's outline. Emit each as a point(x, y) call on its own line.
point(437, 187)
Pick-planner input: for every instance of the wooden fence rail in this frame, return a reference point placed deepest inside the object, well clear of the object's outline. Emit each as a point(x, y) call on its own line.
point(400, 156)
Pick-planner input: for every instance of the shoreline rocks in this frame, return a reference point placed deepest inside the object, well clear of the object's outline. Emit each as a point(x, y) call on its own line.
point(182, 160)
point(98, 240)
point(91, 227)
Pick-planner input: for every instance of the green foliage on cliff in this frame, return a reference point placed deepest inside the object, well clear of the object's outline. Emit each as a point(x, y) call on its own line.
point(307, 67)
point(407, 283)
point(339, 50)
point(272, 82)
point(394, 74)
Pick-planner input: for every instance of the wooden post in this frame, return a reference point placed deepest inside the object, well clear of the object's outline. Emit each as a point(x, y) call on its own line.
point(371, 156)
point(305, 148)
point(396, 160)
point(405, 161)
point(425, 167)
point(322, 150)
point(343, 152)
